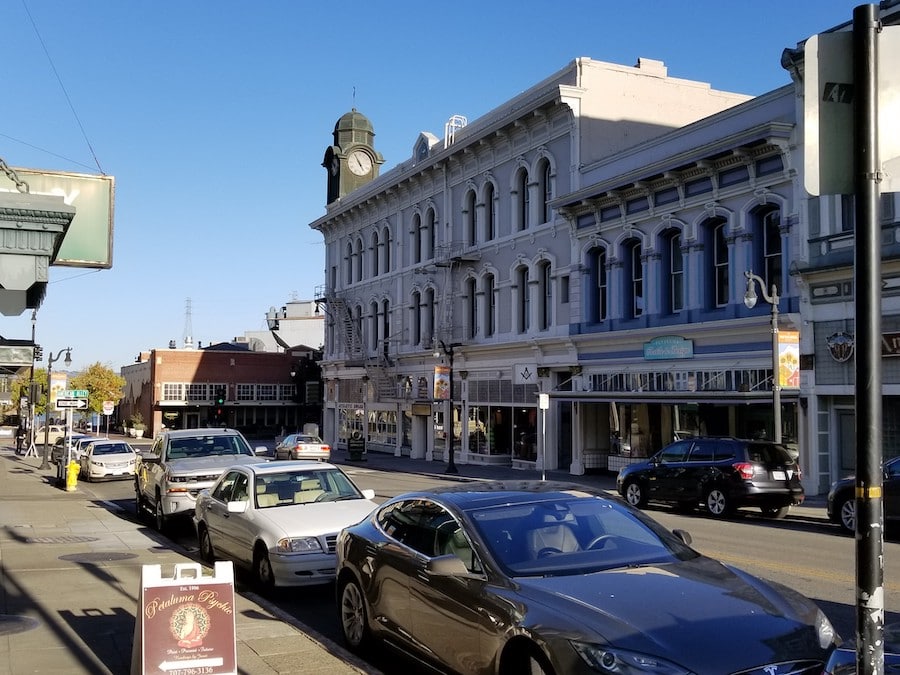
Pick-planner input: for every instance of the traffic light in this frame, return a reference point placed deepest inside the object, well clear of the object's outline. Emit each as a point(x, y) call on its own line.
point(220, 397)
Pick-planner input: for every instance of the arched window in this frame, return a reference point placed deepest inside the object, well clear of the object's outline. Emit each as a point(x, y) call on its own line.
point(545, 302)
point(471, 309)
point(415, 315)
point(489, 309)
point(385, 326)
point(546, 189)
point(348, 262)
point(430, 234)
point(717, 262)
point(388, 248)
point(672, 273)
point(523, 201)
point(524, 303)
point(471, 219)
point(430, 316)
point(359, 259)
point(770, 221)
point(373, 327)
point(376, 254)
point(417, 238)
point(634, 275)
point(490, 212)
point(598, 299)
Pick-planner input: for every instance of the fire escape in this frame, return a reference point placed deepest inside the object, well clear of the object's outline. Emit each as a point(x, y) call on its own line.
point(378, 365)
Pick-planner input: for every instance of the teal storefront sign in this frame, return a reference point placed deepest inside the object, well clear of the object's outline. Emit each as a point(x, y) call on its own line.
point(668, 347)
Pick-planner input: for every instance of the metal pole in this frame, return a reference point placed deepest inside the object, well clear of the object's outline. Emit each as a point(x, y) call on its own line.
point(451, 462)
point(46, 451)
point(776, 377)
point(867, 286)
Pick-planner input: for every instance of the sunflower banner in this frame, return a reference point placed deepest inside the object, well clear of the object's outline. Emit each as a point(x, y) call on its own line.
point(789, 359)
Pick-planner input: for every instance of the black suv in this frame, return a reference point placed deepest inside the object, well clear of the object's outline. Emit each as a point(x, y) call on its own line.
point(722, 473)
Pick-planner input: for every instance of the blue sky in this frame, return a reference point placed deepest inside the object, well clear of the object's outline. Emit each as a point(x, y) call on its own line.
point(213, 117)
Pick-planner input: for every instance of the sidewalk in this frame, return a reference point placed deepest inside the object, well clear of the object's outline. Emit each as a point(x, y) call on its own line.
point(70, 574)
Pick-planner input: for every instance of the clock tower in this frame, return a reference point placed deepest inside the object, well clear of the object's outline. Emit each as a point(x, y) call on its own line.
point(352, 161)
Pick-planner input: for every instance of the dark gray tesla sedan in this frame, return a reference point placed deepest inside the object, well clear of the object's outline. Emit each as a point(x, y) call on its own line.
point(541, 577)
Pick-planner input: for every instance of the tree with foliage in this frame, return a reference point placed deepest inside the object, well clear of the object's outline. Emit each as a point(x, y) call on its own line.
point(20, 388)
point(102, 385)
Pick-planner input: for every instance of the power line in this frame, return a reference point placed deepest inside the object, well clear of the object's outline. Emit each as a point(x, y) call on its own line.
point(63, 87)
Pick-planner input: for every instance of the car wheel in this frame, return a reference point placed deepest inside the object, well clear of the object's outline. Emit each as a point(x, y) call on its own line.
point(207, 552)
point(262, 569)
point(354, 617)
point(528, 661)
point(159, 518)
point(634, 494)
point(846, 511)
point(717, 503)
point(775, 512)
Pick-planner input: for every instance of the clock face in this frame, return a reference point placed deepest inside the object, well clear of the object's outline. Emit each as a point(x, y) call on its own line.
point(359, 163)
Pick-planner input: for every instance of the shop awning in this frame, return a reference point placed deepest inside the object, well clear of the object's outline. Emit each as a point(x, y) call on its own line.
point(675, 397)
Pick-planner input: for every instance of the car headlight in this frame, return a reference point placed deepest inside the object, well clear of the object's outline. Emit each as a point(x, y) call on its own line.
point(298, 545)
point(610, 660)
point(825, 631)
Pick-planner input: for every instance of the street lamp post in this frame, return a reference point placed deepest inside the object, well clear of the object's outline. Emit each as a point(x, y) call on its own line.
point(448, 350)
point(45, 464)
point(750, 299)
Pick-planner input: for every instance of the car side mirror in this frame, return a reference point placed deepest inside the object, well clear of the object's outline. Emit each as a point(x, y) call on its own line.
point(684, 535)
point(368, 493)
point(260, 450)
point(237, 507)
point(447, 566)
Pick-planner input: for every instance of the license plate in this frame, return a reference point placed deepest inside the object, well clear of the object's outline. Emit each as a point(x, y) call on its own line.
point(778, 475)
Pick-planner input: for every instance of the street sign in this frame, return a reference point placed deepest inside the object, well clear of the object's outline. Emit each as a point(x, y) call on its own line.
point(75, 393)
point(77, 403)
point(828, 95)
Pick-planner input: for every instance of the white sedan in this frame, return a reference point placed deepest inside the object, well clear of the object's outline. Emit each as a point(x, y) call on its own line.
point(107, 459)
point(280, 519)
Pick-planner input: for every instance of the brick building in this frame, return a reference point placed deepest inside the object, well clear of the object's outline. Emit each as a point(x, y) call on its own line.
point(177, 388)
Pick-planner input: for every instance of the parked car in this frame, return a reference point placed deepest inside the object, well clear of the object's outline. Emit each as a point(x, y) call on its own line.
point(723, 474)
point(107, 459)
point(280, 519)
point(58, 451)
point(181, 463)
point(303, 446)
point(841, 504)
point(52, 434)
point(545, 577)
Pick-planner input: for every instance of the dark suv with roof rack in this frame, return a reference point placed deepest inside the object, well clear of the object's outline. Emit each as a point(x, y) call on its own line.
point(723, 474)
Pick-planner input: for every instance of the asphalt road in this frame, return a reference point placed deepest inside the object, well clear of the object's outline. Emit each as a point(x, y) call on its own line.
point(802, 552)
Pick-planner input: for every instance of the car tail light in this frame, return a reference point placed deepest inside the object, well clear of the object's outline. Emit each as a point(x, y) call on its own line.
point(326, 448)
point(745, 469)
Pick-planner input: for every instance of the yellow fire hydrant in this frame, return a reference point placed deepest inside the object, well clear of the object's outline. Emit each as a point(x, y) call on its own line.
point(72, 476)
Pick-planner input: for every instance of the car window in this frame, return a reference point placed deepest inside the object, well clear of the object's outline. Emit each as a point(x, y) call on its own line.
point(768, 454)
point(676, 452)
point(223, 490)
point(414, 523)
point(111, 449)
point(703, 451)
point(208, 446)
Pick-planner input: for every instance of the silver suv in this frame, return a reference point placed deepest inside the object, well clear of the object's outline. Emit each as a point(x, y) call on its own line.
point(183, 462)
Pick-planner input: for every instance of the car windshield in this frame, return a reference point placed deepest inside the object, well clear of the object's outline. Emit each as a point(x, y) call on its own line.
point(308, 439)
point(111, 449)
point(208, 446)
point(574, 534)
point(290, 487)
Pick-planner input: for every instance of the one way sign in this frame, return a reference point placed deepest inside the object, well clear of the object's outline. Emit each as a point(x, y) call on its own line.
point(77, 403)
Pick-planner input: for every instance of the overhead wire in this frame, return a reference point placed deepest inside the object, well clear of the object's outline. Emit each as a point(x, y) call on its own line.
point(63, 87)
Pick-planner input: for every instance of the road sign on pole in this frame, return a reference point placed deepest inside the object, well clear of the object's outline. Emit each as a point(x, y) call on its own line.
point(77, 403)
point(829, 92)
